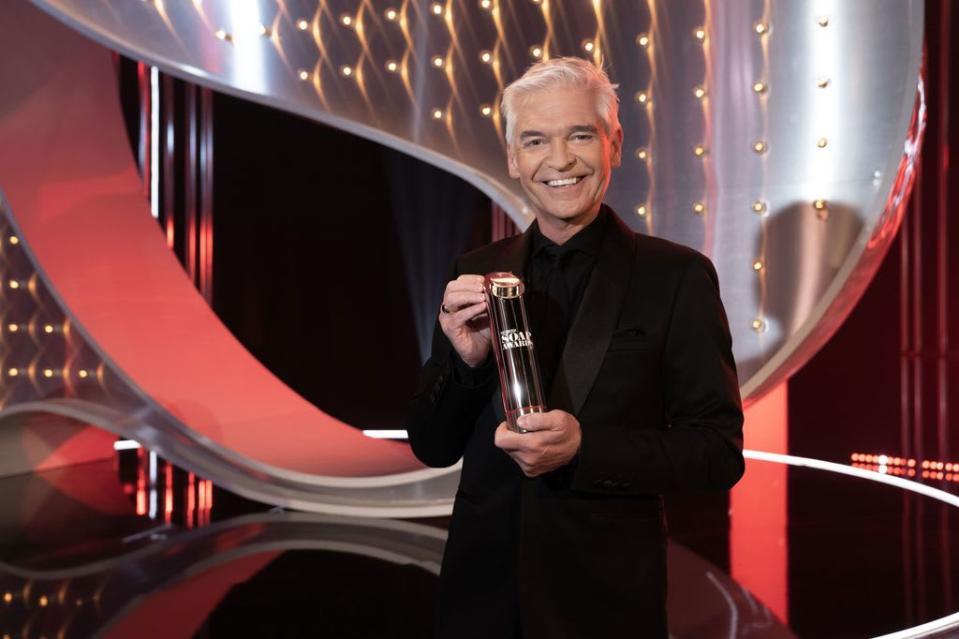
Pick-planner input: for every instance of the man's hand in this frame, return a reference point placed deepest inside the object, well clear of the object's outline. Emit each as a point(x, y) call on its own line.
point(465, 321)
point(552, 440)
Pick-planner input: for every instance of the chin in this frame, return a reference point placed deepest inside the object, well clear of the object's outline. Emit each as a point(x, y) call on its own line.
point(568, 214)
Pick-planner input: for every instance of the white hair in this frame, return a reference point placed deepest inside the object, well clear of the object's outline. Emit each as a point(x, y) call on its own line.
point(569, 72)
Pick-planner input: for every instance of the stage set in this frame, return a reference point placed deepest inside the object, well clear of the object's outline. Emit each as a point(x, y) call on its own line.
point(225, 229)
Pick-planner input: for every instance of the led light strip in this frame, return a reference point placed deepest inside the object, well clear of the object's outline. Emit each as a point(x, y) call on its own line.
point(924, 630)
point(916, 487)
point(386, 434)
point(155, 142)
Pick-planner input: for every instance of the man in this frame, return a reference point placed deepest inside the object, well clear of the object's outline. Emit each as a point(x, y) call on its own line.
point(559, 532)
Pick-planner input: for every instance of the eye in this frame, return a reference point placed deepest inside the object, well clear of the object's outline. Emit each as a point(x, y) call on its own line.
point(582, 137)
point(533, 142)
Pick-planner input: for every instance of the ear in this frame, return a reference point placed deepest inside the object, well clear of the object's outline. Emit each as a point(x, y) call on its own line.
point(616, 148)
point(511, 162)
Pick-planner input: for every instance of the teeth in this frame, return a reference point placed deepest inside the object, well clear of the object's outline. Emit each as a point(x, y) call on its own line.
point(564, 182)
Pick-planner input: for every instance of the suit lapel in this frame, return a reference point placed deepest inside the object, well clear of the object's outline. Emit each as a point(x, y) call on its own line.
point(595, 320)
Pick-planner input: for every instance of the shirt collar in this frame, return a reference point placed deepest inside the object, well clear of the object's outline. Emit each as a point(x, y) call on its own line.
point(587, 241)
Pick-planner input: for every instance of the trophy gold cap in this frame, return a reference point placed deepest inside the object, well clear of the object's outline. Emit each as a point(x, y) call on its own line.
point(504, 285)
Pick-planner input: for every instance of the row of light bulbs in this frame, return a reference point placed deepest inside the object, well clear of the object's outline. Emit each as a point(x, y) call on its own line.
point(49, 373)
point(42, 601)
point(759, 207)
point(47, 328)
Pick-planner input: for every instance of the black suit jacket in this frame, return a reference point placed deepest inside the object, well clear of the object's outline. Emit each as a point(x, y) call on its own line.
point(649, 373)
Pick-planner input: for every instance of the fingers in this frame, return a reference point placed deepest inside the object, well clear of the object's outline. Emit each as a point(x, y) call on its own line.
point(506, 439)
point(531, 443)
point(454, 301)
point(464, 285)
point(540, 451)
point(550, 420)
point(464, 316)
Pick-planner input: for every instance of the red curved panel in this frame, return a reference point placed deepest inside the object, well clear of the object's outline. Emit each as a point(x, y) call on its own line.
point(73, 190)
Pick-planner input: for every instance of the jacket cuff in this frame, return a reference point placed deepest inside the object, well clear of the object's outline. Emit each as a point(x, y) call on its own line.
point(470, 377)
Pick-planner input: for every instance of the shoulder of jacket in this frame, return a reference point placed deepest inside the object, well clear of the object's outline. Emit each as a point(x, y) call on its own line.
point(666, 252)
point(485, 253)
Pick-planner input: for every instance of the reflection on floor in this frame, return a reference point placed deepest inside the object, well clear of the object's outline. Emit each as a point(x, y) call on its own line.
point(77, 560)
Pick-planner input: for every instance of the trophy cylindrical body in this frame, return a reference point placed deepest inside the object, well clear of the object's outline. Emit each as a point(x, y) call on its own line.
point(512, 344)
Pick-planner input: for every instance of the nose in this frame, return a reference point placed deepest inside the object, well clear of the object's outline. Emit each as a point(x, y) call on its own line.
point(560, 159)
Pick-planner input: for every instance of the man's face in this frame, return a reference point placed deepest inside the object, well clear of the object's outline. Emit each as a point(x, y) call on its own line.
point(562, 154)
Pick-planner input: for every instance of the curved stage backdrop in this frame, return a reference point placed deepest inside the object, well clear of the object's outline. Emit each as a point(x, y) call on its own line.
point(776, 137)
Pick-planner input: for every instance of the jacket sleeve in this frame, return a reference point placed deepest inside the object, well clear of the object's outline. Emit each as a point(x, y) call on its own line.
point(701, 449)
point(448, 401)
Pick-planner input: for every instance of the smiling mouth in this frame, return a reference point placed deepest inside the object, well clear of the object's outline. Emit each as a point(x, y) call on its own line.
point(564, 182)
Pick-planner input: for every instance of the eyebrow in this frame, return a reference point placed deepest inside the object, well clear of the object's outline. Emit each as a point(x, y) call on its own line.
point(578, 128)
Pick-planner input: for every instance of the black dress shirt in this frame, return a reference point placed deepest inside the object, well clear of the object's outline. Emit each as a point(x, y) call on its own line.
point(551, 310)
point(556, 277)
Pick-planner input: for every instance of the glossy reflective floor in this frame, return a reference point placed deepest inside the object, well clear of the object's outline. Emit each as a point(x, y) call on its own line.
point(793, 552)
